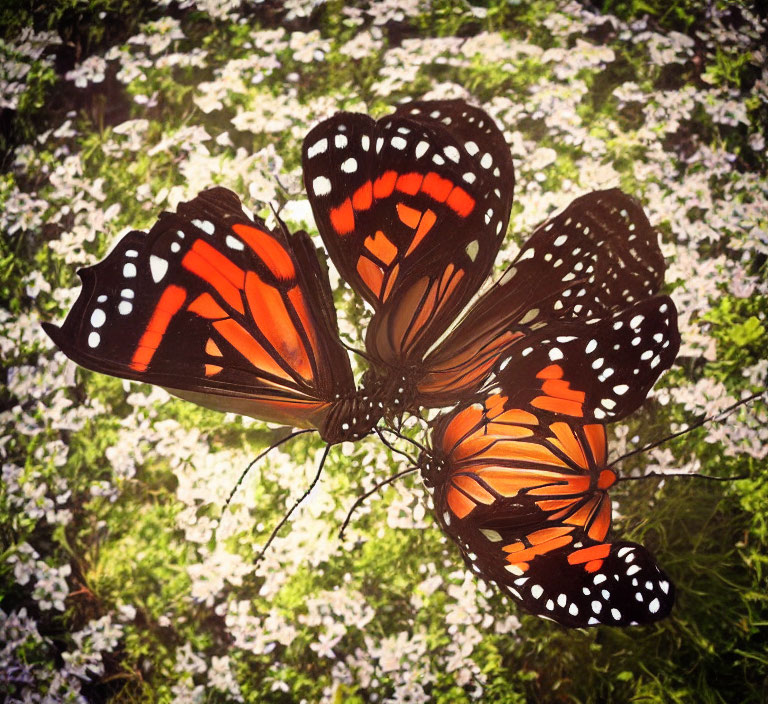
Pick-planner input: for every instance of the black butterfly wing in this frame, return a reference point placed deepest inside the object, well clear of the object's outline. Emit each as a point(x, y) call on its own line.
point(597, 257)
point(217, 308)
point(412, 209)
point(525, 498)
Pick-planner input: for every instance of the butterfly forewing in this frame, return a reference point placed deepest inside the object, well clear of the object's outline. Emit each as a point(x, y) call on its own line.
point(595, 258)
point(600, 371)
point(525, 497)
point(217, 308)
point(412, 209)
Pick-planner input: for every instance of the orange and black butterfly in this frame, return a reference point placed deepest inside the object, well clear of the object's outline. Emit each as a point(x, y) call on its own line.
point(222, 310)
point(520, 479)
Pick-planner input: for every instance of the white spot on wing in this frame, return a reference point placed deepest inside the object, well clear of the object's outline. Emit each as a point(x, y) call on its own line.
point(318, 147)
point(321, 186)
point(98, 317)
point(157, 267)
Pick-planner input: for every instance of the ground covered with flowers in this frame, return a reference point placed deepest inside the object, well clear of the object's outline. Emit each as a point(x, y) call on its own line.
point(121, 579)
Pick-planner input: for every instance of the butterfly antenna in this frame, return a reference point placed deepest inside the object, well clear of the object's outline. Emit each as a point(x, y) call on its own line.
point(362, 498)
point(274, 445)
point(283, 226)
point(277, 528)
point(720, 415)
point(398, 434)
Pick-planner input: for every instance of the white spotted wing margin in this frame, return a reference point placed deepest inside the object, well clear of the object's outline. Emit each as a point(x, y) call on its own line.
point(600, 371)
point(217, 308)
point(628, 589)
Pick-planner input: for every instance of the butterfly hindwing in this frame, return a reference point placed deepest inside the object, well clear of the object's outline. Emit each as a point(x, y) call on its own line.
point(590, 261)
point(219, 309)
point(600, 371)
point(412, 209)
point(525, 498)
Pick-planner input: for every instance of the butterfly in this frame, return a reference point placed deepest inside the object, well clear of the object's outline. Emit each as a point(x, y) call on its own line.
point(520, 480)
point(229, 313)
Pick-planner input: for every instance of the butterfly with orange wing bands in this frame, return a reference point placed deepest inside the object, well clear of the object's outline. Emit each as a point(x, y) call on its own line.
point(222, 310)
point(520, 479)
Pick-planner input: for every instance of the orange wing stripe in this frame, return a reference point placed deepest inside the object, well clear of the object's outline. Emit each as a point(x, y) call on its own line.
point(569, 444)
point(380, 246)
point(559, 388)
point(363, 197)
point(437, 187)
point(508, 482)
point(459, 426)
point(169, 304)
point(596, 438)
point(371, 275)
point(460, 202)
point(391, 281)
point(204, 261)
point(546, 534)
point(596, 552)
point(553, 371)
point(556, 405)
point(470, 486)
point(211, 369)
point(269, 250)
point(343, 218)
point(602, 521)
point(409, 183)
point(427, 309)
point(212, 348)
point(541, 549)
point(459, 504)
point(427, 221)
point(274, 322)
point(206, 307)
point(606, 479)
point(244, 343)
point(384, 184)
point(408, 216)
point(297, 298)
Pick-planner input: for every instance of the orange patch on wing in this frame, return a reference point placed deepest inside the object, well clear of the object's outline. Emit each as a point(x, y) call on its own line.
point(425, 225)
point(567, 485)
point(509, 482)
point(427, 309)
point(559, 388)
point(601, 523)
point(554, 504)
point(408, 216)
point(269, 250)
point(371, 275)
point(566, 440)
point(206, 307)
point(171, 301)
point(460, 202)
point(246, 345)
point(517, 451)
point(211, 369)
point(404, 313)
point(296, 297)
point(363, 197)
point(437, 187)
point(460, 425)
point(584, 514)
point(381, 247)
point(596, 438)
point(595, 552)
point(593, 565)
point(553, 371)
point(547, 534)
point(384, 184)
point(516, 415)
point(469, 485)
point(459, 504)
point(391, 281)
point(540, 549)
point(556, 405)
point(606, 479)
point(211, 266)
point(409, 183)
point(212, 348)
point(274, 322)
point(343, 218)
